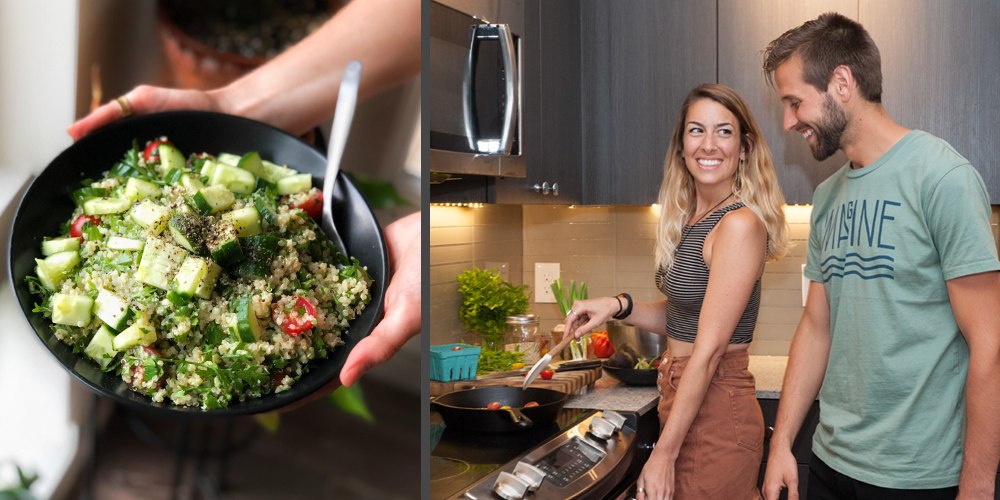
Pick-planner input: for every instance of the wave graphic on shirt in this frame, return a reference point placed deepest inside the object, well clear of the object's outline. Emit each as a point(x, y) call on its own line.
point(866, 268)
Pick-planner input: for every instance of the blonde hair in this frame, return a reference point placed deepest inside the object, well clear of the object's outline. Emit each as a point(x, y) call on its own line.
point(755, 181)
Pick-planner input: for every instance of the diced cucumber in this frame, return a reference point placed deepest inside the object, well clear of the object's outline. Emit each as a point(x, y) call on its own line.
point(267, 212)
point(112, 310)
point(191, 182)
point(229, 159)
point(119, 243)
point(151, 216)
point(246, 220)
point(190, 275)
point(57, 245)
point(263, 184)
point(207, 169)
point(137, 189)
point(83, 194)
point(251, 163)
point(222, 242)
point(214, 199)
point(246, 321)
point(100, 348)
point(102, 206)
point(295, 184)
point(236, 179)
point(56, 267)
point(272, 172)
point(129, 337)
point(170, 158)
point(258, 252)
point(208, 282)
point(188, 231)
point(71, 310)
point(178, 299)
point(160, 262)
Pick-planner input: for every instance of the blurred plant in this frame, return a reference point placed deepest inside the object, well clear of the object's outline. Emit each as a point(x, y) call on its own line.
point(21, 491)
point(487, 300)
point(269, 421)
point(378, 193)
point(351, 400)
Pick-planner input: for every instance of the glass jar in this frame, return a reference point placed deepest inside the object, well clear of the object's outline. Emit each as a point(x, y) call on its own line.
point(522, 336)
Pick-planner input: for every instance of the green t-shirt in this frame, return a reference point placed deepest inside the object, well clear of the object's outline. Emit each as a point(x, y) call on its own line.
point(883, 240)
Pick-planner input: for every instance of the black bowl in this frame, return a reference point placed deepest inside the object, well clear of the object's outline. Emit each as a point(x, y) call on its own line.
point(631, 376)
point(47, 204)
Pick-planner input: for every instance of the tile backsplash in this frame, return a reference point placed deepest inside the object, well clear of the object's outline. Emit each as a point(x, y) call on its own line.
point(611, 248)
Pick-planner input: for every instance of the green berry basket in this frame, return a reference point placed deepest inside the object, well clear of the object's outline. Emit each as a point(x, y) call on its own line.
point(448, 365)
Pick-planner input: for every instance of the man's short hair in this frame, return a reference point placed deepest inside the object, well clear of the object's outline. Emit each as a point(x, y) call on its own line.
point(823, 44)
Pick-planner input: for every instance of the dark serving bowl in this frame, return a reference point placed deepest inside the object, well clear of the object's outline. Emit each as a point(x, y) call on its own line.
point(47, 204)
point(631, 376)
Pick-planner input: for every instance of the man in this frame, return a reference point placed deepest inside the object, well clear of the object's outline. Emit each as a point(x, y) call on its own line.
point(900, 337)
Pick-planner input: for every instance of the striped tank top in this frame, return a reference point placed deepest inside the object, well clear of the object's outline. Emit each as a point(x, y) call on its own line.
point(687, 281)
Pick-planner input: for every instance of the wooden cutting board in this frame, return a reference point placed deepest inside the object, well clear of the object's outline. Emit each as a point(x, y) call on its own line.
point(566, 382)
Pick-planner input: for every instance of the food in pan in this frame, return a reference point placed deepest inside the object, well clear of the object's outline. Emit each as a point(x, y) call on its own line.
point(199, 280)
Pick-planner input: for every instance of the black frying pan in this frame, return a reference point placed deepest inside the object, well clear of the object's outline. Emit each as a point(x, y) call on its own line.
point(465, 410)
point(47, 204)
point(631, 376)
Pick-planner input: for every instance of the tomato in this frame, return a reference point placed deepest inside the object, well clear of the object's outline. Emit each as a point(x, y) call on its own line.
point(76, 230)
point(152, 152)
point(546, 374)
point(493, 406)
point(313, 205)
point(277, 378)
point(530, 404)
point(296, 319)
point(138, 371)
point(456, 348)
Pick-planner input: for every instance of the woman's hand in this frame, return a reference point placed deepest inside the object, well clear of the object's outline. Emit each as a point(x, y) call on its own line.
point(656, 482)
point(590, 314)
point(143, 100)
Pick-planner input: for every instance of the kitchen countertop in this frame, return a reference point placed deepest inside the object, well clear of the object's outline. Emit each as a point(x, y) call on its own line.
point(610, 394)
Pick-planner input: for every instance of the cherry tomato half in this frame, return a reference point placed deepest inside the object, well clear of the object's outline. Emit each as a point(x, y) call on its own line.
point(152, 152)
point(76, 230)
point(493, 406)
point(456, 348)
point(313, 205)
point(546, 374)
point(530, 404)
point(297, 318)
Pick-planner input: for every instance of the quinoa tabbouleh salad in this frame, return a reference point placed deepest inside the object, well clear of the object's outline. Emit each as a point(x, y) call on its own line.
point(199, 280)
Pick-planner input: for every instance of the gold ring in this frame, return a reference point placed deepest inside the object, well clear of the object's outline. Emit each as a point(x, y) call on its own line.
point(640, 490)
point(124, 104)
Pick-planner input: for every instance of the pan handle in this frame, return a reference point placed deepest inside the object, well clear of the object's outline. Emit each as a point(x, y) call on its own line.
point(519, 419)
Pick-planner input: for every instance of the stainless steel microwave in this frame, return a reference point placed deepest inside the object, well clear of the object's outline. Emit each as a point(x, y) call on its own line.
point(475, 87)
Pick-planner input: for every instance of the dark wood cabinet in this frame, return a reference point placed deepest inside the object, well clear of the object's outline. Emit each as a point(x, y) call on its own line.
point(638, 65)
point(551, 108)
point(940, 62)
point(801, 448)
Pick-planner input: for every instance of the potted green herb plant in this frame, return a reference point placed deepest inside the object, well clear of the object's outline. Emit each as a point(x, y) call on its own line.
point(487, 300)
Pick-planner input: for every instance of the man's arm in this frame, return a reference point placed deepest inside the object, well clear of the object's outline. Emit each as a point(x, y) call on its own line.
point(975, 301)
point(807, 359)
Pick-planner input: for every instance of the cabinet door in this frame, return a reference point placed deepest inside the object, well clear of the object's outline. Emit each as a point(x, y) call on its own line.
point(746, 27)
point(940, 62)
point(550, 120)
point(640, 59)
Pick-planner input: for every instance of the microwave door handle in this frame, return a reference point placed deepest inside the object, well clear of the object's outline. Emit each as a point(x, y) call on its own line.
point(471, 131)
point(512, 87)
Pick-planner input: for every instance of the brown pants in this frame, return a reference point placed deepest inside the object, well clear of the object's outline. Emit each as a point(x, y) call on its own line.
point(720, 456)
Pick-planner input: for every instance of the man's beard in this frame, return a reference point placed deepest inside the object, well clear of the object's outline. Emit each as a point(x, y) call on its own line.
point(829, 132)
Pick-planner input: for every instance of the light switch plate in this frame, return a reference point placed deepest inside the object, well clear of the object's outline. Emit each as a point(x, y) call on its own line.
point(545, 275)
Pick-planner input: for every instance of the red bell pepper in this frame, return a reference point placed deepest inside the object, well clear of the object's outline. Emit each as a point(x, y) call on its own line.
point(602, 345)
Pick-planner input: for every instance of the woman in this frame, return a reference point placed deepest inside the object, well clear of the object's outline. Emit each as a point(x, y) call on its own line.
point(721, 220)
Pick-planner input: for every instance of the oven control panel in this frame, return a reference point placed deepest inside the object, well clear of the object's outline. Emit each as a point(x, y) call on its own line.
point(581, 462)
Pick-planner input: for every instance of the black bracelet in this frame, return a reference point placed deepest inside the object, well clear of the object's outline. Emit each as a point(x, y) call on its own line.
point(620, 307)
point(628, 310)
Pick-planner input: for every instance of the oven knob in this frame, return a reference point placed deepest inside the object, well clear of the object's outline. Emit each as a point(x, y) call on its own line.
point(614, 417)
point(544, 188)
point(529, 474)
point(600, 428)
point(510, 487)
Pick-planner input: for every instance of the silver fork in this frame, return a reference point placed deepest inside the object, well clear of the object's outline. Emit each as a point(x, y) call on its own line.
point(347, 99)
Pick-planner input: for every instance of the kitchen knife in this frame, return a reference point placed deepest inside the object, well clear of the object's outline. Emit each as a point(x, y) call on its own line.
point(542, 363)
